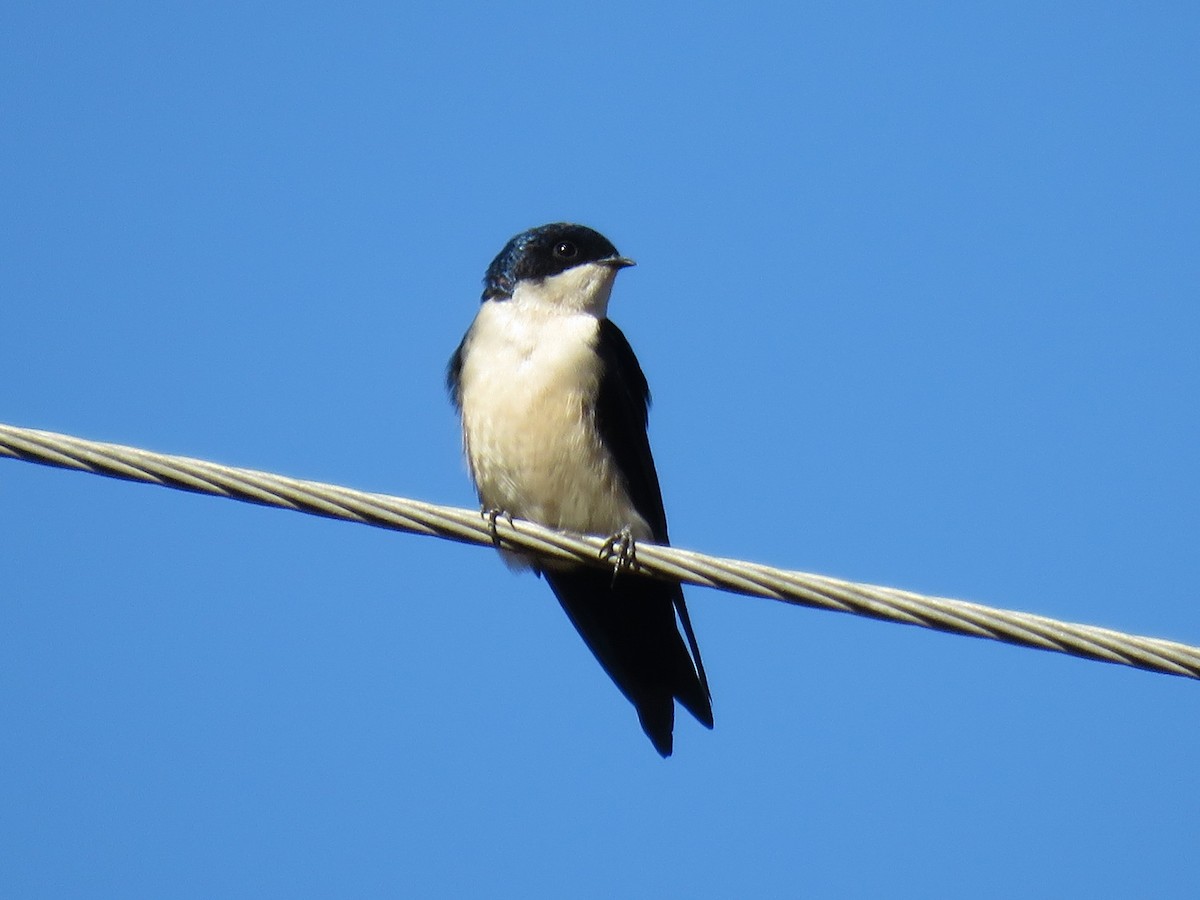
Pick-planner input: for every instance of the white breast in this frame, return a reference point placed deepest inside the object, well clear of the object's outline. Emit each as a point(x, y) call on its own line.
point(529, 378)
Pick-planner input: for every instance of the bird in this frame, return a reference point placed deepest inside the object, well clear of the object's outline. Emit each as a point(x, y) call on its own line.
point(554, 409)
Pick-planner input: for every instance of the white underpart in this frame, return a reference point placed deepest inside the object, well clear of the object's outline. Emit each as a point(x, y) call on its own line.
point(529, 379)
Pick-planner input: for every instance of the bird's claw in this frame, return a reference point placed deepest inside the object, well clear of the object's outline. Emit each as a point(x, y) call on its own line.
point(490, 515)
point(621, 550)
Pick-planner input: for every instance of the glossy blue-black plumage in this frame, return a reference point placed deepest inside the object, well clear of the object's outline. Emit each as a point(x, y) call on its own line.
point(534, 254)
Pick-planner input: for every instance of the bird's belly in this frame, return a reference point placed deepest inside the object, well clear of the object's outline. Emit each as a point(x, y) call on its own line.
point(538, 458)
point(533, 448)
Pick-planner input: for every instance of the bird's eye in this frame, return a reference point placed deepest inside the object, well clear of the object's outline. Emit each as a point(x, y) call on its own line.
point(565, 250)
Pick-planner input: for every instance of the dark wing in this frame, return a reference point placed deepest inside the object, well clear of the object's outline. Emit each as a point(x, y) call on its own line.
point(622, 413)
point(630, 623)
point(454, 375)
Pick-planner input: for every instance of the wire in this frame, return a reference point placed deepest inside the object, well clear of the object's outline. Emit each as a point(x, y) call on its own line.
point(469, 526)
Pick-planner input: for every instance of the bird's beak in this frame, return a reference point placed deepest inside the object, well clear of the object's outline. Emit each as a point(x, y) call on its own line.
point(617, 262)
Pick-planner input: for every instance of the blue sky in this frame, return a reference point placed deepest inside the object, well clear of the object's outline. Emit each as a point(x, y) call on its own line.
point(917, 298)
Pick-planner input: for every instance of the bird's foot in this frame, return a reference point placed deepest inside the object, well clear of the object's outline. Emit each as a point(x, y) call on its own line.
point(621, 550)
point(490, 515)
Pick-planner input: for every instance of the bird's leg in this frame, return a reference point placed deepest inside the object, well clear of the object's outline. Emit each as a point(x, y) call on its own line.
point(621, 550)
point(490, 515)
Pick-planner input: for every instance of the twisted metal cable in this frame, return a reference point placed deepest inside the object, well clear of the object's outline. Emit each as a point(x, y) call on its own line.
point(468, 526)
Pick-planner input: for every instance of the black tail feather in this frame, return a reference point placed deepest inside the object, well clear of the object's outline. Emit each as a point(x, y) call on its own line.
point(630, 627)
